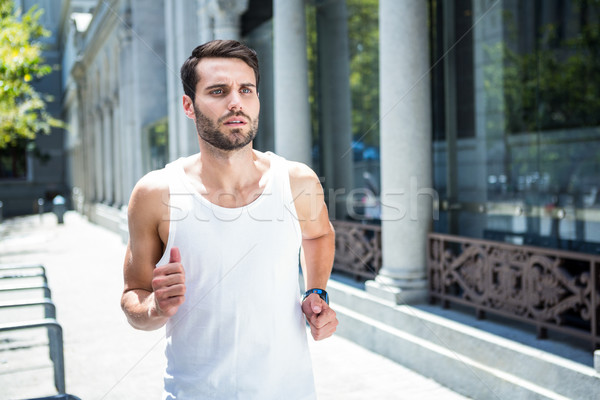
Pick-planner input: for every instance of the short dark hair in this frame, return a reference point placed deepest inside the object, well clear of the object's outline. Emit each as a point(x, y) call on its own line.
point(216, 49)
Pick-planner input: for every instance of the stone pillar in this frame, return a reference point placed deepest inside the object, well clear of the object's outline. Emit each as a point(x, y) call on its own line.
point(89, 156)
point(84, 127)
point(292, 112)
point(117, 155)
point(182, 35)
point(149, 77)
point(127, 118)
point(108, 153)
point(205, 21)
point(98, 154)
point(261, 40)
point(335, 108)
point(227, 15)
point(406, 181)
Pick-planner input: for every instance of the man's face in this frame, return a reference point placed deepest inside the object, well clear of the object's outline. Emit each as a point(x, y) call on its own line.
point(226, 106)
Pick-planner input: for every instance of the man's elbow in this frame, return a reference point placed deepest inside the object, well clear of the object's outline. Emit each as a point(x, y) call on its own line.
point(133, 310)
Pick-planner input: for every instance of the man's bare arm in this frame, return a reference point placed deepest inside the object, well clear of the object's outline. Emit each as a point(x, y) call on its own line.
point(151, 295)
point(318, 244)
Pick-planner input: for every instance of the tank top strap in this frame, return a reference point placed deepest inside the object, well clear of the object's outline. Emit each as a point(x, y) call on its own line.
point(179, 203)
point(281, 175)
point(175, 174)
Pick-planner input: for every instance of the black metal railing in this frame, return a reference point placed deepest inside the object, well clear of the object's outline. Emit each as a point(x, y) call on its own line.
point(551, 289)
point(357, 249)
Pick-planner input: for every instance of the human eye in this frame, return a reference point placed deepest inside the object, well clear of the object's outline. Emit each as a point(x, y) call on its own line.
point(216, 91)
point(246, 90)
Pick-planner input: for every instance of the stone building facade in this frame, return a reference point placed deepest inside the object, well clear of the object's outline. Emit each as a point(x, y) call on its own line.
point(480, 167)
point(122, 99)
point(452, 154)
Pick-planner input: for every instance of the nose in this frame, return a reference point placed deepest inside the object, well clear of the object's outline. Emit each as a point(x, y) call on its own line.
point(235, 102)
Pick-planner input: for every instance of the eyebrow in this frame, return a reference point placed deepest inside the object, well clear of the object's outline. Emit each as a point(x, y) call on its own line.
point(221, 85)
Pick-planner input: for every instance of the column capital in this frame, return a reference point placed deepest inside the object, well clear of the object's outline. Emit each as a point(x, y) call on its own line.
point(227, 15)
point(78, 71)
point(125, 30)
point(292, 138)
point(232, 6)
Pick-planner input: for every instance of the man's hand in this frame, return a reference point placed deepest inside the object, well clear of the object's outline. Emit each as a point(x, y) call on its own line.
point(320, 317)
point(168, 285)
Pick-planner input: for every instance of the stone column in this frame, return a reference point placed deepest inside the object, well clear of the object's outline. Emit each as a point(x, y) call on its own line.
point(292, 113)
point(117, 155)
point(227, 15)
point(89, 156)
point(84, 127)
point(126, 120)
point(98, 154)
point(182, 35)
point(108, 154)
point(261, 40)
point(406, 181)
point(205, 21)
point(335, 108)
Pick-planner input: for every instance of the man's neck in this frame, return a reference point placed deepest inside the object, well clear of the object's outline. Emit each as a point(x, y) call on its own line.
point(228, 171)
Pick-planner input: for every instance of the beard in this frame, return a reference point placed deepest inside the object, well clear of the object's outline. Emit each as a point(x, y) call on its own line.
point(235, 139)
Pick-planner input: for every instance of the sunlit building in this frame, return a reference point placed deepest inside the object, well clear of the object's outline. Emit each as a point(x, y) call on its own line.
point(458, 141)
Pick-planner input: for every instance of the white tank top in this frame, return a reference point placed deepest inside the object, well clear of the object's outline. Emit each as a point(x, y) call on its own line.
point(240, 333)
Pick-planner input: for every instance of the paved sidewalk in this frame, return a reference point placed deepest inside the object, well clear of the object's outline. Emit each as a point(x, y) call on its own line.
point(107, 359)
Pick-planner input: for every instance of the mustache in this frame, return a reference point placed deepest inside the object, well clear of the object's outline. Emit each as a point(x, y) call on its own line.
point(234, 114)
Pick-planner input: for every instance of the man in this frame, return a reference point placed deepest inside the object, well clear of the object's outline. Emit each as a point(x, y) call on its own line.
point(214, 248)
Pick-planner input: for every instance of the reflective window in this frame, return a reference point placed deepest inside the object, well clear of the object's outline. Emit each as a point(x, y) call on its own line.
point(343, 55)
point(529, 172)
point(13, 162)
point(156, 146)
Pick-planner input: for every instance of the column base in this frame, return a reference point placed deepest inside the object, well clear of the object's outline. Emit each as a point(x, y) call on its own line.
point(411, 292)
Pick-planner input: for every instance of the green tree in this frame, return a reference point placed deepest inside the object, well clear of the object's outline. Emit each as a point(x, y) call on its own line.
point(363, 36)
point(22, 109)
point(549, 90)
point(363, 43)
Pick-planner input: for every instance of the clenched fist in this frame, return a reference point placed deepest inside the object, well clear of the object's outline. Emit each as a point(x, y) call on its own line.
point(168, 285)
point(321, 318)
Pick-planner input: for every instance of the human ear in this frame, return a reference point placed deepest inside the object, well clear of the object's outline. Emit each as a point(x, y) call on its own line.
point(188, 106)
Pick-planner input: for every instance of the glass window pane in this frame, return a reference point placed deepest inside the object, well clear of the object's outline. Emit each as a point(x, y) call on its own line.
point(530, 173)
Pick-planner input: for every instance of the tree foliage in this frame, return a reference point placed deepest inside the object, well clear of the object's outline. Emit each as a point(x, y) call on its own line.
point(550, 90)
point(555, 86)
point(363, 43)
point(22, 109)
point(363, 35)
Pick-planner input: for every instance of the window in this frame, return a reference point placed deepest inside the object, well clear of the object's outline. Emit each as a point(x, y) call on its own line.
point(13, 162)
point(529, 172)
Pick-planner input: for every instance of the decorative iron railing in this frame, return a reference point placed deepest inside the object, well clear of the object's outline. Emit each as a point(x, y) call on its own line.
point(550, 289)
point(357, 249)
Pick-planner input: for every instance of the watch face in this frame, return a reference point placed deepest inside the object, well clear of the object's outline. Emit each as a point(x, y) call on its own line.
point(322, 294)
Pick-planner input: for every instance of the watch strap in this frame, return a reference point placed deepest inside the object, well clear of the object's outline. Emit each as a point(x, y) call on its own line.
point(322, 294)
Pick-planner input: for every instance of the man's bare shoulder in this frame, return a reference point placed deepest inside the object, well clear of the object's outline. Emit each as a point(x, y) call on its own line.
point(150, 193)
point(302, 177)
point(309, 200)
point(152, 182)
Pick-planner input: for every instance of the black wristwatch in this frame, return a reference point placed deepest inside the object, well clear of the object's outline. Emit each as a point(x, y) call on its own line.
point(322, 294)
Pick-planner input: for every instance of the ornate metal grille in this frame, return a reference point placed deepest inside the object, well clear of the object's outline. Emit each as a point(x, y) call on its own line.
point(357, 249)
point(550, 289)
